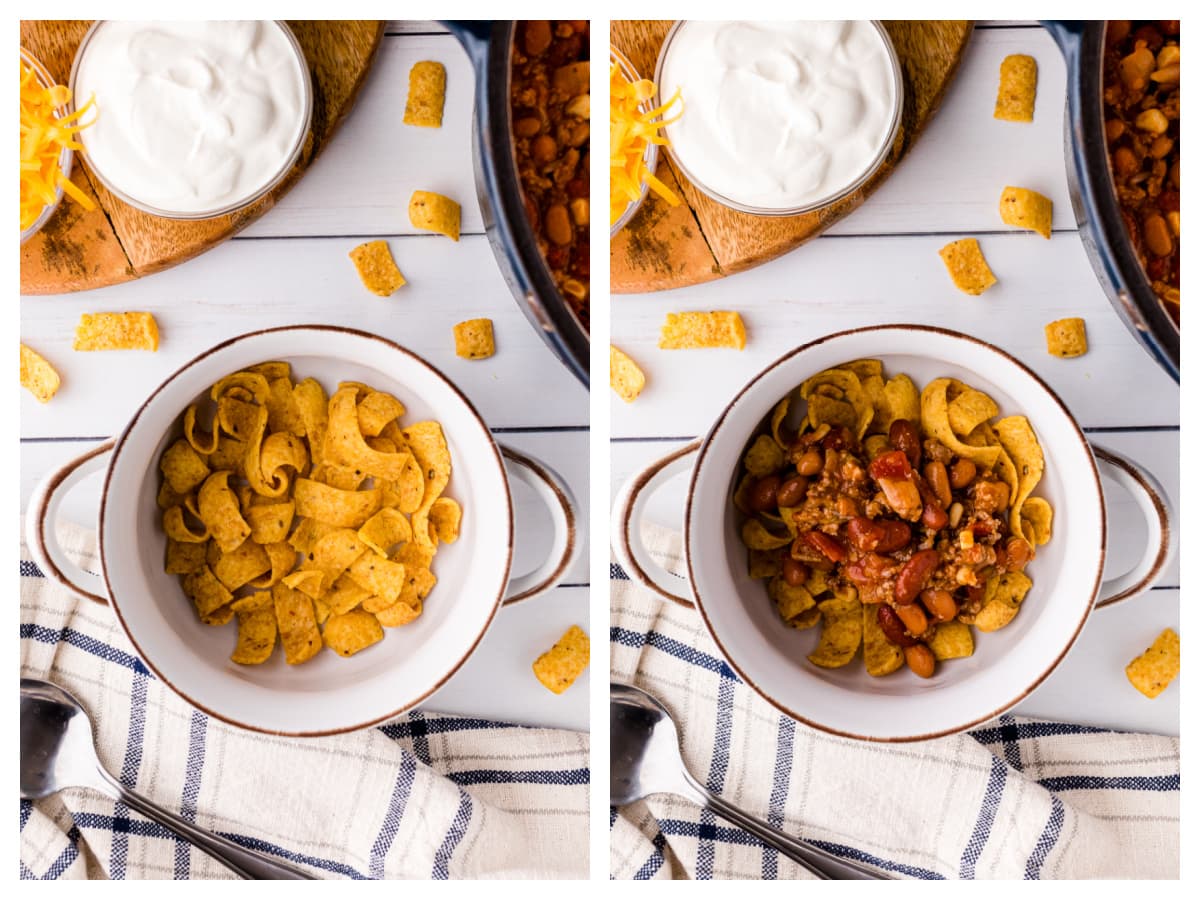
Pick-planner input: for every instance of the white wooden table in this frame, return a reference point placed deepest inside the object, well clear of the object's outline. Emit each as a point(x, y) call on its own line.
point(881, 265)
point(291, 268)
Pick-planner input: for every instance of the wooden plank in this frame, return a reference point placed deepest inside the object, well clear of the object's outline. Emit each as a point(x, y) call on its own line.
point(835, 284)
point(246, 285)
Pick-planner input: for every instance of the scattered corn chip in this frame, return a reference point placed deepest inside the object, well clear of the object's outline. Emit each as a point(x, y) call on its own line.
point(377, 269)
point(624, 376)
point(473, 339)
point(426, 94)
point(694, 330)
point(1023, 208)
point(1018, 88)
point(1151, 672)
point(1066, 338)
point(559, 666)
point(433, 212)
point(38, 376)
point(968, 269)
point(117, 331)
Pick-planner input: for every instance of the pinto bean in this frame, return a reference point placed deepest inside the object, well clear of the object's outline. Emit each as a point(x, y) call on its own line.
point(811, 462)
point(795, 572)
point(920, 659)
point(914, 618)
point(763, 494)
point(792, 491)
point(962, 473)
point(940, 604)
point(939, 480)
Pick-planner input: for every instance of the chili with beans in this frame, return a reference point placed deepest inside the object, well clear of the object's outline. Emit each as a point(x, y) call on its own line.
point(915, 530)
point(1141, 111)
point(551, 110)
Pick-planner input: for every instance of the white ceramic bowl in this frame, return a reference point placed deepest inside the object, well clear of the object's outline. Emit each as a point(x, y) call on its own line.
point(1007, 665)
point(328, 694)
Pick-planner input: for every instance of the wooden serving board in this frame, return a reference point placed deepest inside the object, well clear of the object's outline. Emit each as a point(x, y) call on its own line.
point(699, 240)
point(77, 250)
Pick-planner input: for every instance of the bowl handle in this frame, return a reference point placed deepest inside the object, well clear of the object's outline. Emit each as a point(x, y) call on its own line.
point(552, 491)
point(626, 528)
point(42, 515)
point(1161, 524)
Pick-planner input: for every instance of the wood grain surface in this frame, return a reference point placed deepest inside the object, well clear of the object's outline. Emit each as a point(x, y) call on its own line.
point(78, 250)
point(667, 247)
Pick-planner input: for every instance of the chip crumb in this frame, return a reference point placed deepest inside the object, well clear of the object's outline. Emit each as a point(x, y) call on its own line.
point(1023, 208)
point(435, 212)
point(1151, 672)
point(968, 269)
point(474, 339)
point(426, 94)
point(38, 376)
point(696, 330)
point(1018, 88)
point(624, 375)
point(377, 268)
point(559, 666)
point(117, 331)
point(1067, 338)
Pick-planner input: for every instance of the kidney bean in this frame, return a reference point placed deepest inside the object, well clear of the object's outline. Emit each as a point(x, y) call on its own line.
point(940, 604)
point(763, 493)
point(915, 574)
point(914, 618)
point(962, 473)
point(839, 438)
point(934, 517)
point(795, 572)
point(811, 462)
point(904, 437)
point(792, 491)
point(537, 37)
point(920, 660)
point(823, 543)
point(893, 628)
point(939, 481)
point(897, 537)
point(864, 534)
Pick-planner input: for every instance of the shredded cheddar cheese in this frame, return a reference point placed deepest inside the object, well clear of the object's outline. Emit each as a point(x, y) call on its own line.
point(44, 136)
point(631, 130)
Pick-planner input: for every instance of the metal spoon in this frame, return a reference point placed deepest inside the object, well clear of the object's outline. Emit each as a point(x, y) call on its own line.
point(58, 751)
point(645, 759)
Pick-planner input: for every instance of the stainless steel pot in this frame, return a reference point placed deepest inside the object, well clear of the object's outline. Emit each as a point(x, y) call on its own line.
point(1101, 227)
point(489, 47)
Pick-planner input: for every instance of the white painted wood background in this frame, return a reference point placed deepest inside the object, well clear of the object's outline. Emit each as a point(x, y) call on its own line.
point(881, 265)
point(290, 268)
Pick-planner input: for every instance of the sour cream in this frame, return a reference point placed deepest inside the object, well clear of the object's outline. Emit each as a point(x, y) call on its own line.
point(195, 117)
point(779, 115)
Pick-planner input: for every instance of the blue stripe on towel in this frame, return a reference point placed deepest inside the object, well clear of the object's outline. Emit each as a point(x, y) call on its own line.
point(1118, 783)
point(570, 777)
point(651, 866)
point(1045, 843)
point(784, 748)
point(672, 647)
point(130, 766)
point(191, 789)
point(992, 795)
point(395, 813)
point(454, 835)
point(85, 643)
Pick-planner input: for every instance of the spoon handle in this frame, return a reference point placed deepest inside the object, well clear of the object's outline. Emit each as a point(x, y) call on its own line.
point(822, 864)
point(246, 863)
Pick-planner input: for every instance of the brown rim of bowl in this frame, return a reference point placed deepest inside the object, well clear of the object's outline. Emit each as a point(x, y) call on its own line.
point(286, 166)
point(568, 511)
point(627, 523)
point(64, 472)
point(687, 519)
point(120, 442)
point(1164, 526)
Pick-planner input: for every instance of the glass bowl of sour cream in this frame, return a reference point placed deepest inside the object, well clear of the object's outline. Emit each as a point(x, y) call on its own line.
point(201, 118)
point(782, 117)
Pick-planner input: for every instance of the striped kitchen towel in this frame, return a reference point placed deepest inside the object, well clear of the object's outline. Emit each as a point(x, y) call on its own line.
point(1016, 798)
point(424, 796)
